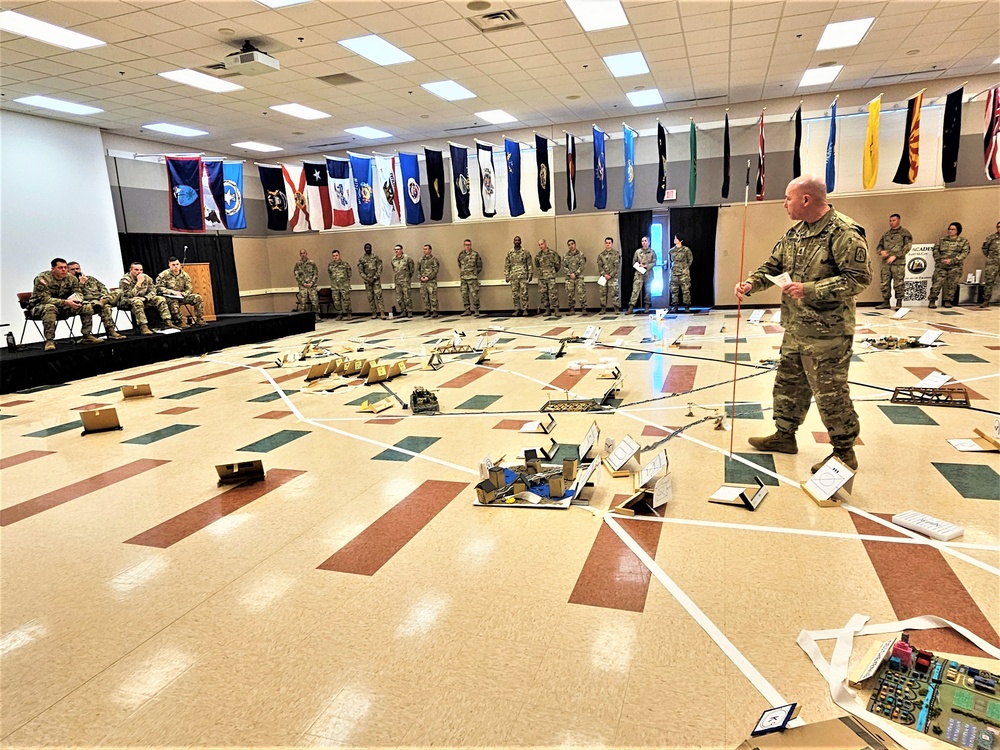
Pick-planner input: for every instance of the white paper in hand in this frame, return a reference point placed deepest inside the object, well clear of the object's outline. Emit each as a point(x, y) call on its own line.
point(780, 280)
point(639, 268)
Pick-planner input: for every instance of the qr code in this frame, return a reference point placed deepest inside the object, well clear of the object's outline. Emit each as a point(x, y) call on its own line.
point(915, 290)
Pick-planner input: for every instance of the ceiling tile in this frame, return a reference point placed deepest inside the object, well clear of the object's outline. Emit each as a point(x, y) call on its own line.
point(541, 13)
point(431, 13)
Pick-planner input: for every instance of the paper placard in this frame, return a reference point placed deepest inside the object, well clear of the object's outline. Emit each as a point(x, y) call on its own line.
point(601, 281)
point(901, 313)
point(588, 332)
point(755, 316)
point(968, 445)
point(589, 440)
point(776, 318)
point(831, 477)
point(934, 380)
point(545, 427)
point(626, 448)
point(928, 337)
point(727, 494)
point(780, 280)
point(639, 268)
point(651, 469)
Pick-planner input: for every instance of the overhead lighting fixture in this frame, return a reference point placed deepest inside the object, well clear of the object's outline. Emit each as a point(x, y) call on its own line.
point(369, 133)
point(18, 23)
point(166, 127)
point(595, 15)
point(376, 49)
point(448, 90)
point(844, 33)
point(70, 108)
point(820, 76)
point(300, 111)
point(281, 3)
point(200, 81)
point(628, 64)
point(254, 146)
point(496, 116)
point(645, 98)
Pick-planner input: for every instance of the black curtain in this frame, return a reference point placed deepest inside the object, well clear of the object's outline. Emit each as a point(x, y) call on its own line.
point(152, 250)
point(632, 227)
point(697, 229)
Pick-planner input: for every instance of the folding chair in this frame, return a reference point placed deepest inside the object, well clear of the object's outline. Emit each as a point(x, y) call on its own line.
point(325, 295)
point(22, 300)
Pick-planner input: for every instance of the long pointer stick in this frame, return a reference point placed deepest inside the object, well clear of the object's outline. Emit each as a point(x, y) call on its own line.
point(736, 353)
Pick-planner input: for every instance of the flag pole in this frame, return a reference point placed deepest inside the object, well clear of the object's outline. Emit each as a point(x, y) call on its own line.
point(739, 305)
point(796, 110)
point(457, 145)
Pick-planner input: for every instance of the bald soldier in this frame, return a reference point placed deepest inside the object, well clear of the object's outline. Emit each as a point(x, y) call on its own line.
point(826, 257)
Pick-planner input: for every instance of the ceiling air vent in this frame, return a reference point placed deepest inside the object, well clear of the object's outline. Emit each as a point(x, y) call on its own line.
point(339, 79)
point(329, 146)
point(501, 19)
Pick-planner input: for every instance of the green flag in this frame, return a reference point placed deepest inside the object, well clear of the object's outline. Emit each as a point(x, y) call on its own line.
point(693, 174)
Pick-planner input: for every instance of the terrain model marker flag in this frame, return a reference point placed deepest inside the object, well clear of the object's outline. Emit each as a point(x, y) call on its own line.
point(386, 192)
point(909, 160)
point(991, 134)
point(276, 202)
point(435, 181)
point(409, 166)
point(661, 152)
point(760, 157)
point(295, 190)
point(570, 172)
point(869, 175)
point(692, 164)
point(460, 179)
point(342, 195)
point(628, 184)
point(318, 195)
point(951, 134)
point(600, 170)
point(487, 179)
point(544, 173)
point(187, 207)
point(361, 168)
point(512, 152)
point(797, 151)
point(232, 180)
point(831, 149)
point(727, 153)
point(213, 193)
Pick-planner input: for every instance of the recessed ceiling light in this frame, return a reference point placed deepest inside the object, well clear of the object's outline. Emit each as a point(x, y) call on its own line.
point(628, 64)
point(448, 90)
point(495, 116)
point(820, 76)
point(254, 146)
point(646, 98)
point(368, 132)
point(166, 127)
point(844, 33)
point(18, 23)
point(281, 3)
point(300, 111)
point(200, 81)
point(594, 15)
point(478, 5)
point(71, 108)
point(376, 49)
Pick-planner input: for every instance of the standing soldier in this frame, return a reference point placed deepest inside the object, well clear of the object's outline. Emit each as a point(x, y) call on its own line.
point(681, 258)
point(470, 265)
point(307, 276)
point(949, 254)
point(97, 295)
point(370, 269)
point(136, 292)
point(517, 271)
point(174, 285)
point(991, 249)
point(892, 249)
point(608, 266)
point(402, 274)
point(548, 262)
point(56, 292)
point(645, 259)
point(340, 285)
point(427, 269)
point(576, 291)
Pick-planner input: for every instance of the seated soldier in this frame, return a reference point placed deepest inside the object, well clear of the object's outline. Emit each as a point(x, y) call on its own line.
point(98, 296)
point(56, 294)
point(174, 285)
point(136, 292)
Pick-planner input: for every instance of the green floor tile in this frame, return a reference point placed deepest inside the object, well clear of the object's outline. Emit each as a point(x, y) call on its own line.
point(639, 355)
point(38, 388)
point(105, 392)
point(157, 435)
point(731, 340)
point(413, 443)
point(50, 431)
point(276, 440)
point(504, 341)
point(269, 397)
point(479, 402)
point(7, 416)
point(744, 357)
point(188, 393)
point(371, 397)
point(907, 415)
point(745, 410)
point(966, 358)
point(261, 355)
point(738, 472)
point(973, 481)
point(393, 355)
point(948, 312)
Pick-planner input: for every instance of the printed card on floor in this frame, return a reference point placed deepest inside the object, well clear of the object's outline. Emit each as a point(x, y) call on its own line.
point(831, 477)
point(776, 318)
point(934, 380)
point(901, 312)
point(928, 337)
point(755, 316)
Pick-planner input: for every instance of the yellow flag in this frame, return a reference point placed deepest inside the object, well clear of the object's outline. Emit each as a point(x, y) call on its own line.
point(871, 143)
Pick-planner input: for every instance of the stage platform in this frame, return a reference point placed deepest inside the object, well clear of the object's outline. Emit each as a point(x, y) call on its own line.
point(30, 367)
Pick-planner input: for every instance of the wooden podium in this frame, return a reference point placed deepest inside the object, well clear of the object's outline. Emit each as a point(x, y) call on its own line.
point(201, 283)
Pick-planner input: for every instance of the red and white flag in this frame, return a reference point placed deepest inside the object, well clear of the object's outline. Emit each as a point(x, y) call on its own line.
point(295, 190)
point(342, 188)
point(386, 193)
point(991, 139)
point(760, 159)
point(318, 195)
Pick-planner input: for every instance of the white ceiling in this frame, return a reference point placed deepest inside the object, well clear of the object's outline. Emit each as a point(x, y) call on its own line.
point(700, 53)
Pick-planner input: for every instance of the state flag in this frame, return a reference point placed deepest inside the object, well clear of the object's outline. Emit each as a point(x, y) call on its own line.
point(512, 152)
point(951, 135)
point(387, 195)
point(460, 179)
point(693, 165)
point(600, 171)
point(760, 159)
point(909, 160)
point(991, 134)
point(487, 179)
point(869, 167)
point(570, 172)
point(797, 150)
point(232, 197)
point(295, 192)
point(409, 167)
point(273, 183)
point(213, 193)
point(187, 208)
point(544, 182)
point(435, 182)
point(318, 195)
point(628, 184)
point(831, 151)
point(661, 153)
point(361, 168)
point(727, 154)
point(342, 196)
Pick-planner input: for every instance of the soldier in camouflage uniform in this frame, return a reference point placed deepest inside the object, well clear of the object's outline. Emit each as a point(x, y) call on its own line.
point(427, 270)
point(176, 280)
point(608, 266)
point(307, 277)
point(826, 256)
point(991, 249)
point(681, 259)
point(518, 272)
point(95, 293)
point(548, 262)
point(576, 290)
point(470, 265)
point(136, 292)
point(402, 274)
point(949, 254)
point(892, 249)
point(646, 258)
point(56, 293)
point(340, 285)
point(370, 269)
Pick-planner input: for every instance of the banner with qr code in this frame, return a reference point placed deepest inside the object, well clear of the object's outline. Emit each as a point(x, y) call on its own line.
point(919, 274)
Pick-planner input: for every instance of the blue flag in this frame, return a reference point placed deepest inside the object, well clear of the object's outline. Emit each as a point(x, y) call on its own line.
point(513, 151)
point(628, 186)
point(460, 179)
point(600, 175)
point(409, 167)
point(831, 147)
point(187, 209)
point(361, 167)
point(232, 178)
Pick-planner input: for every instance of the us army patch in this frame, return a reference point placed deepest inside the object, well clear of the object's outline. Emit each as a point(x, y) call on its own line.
point(860, 255)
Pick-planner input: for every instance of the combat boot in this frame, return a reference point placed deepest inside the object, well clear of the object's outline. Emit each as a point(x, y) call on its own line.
point(171, 324)
point(50, 346)
point(409, 313)
point(182, 325)
point(144, 330)
point(466, 314)
point(601, 311)
point(115, 335)
point(948, 304)
point(844, 455)
point(384, 316)
point(90, 338)
point(779, 442)
point(932, 305)
point(630, 310)
point(478, 314)
point(555, 313)
point(884, 306)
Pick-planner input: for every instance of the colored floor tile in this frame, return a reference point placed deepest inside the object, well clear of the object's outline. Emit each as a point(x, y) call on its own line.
point(105, 392)
point(269, 397)
point(278, 439)
point(510, 424)
point(973, 481)
point(140, 375)
point(279, 414)
point(7, 416)
point(730, 340)
point(59, 428)
point(89, 407)
point(679, 379)
point(613, 577)
point(17, 402)
point(371, 397)
point(639, 356)
point(744, 357)
point(745, 411)
point(479, 402)
point(38, 388)
point(178, 410)
point(414, 443)
point(695, 331)
point(261, 355)
point(738, 472)
point(21, 458)
point(188, 393)
point(904, 414)
point(162, 434)
point(948, 312)
point(965, 358)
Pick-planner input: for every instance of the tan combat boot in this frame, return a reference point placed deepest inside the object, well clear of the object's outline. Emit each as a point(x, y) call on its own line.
point(779, 442)
point(90, 338)
point(200, 322)
point(171, 324)
point(884, 306)
point(844, 455)
point(50, 346)
point(144, 330)
point(113, 334)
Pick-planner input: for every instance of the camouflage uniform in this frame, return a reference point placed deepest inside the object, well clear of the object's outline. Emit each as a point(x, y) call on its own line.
point(608, 264)
point(548, 263)
point(428, 266)
point(950, 276)
point(168, 281)
point(518, 272)
point(647, 259)
point(991, 249)
point(340, 286)
point(370, 270)
point(830, 259)
point(470, 265)
point(894, 242)
point(48, 303)
point(94, 292)
point(307, 276)
point(576, 290)
point(402, 275)
point(138, 294)
point(681, 259)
